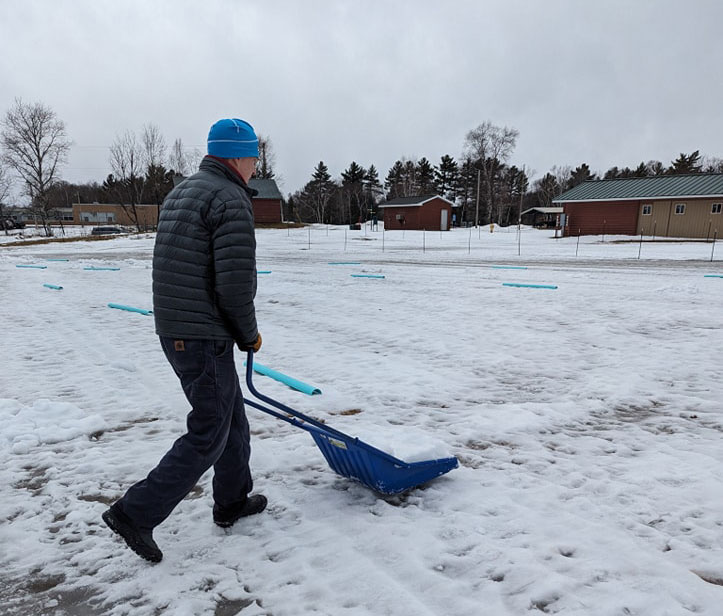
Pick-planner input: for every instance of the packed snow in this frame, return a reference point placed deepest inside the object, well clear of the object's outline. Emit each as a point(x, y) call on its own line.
point(587, 421)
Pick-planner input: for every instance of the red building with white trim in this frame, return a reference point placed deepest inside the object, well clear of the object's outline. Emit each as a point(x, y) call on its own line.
point(430, 212)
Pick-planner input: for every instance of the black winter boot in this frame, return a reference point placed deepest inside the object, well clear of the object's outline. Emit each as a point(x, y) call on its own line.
point(229, 516)
point(140, 542)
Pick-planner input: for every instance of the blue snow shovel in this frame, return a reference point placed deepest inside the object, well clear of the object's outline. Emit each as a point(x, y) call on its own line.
point(350, 457)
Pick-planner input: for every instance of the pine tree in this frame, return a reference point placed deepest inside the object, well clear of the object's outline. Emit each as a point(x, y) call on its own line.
point(467, 189)
point(394, 180)
point(425, 173)
point(641, 171)
point(686, 164)
point(581, 174)
point(317, 194)
point(447, 177)
point(353, 175)
point(410, 186)
point(352, 192)
point(371, 181)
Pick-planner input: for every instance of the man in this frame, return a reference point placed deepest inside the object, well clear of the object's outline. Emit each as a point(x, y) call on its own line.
point(204, 283)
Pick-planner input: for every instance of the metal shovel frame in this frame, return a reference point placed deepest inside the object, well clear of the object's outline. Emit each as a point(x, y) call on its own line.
point(350, 457)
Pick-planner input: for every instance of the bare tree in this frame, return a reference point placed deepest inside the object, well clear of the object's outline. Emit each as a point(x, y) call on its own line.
point(35, 145)
point(178, 159)
point(490, 146)
point(712, 164)
point(267, 159)
point(563, 175)
point(195, 156)
point(128, 161)
point(154, 146)
point(6, 183)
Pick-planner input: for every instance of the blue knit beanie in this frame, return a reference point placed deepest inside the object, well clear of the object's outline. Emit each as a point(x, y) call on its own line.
point(233, 138)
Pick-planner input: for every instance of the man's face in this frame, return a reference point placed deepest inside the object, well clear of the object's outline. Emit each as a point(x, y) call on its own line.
point(247, 168)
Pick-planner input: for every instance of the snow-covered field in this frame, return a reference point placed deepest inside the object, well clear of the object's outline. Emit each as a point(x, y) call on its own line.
point(588, 422)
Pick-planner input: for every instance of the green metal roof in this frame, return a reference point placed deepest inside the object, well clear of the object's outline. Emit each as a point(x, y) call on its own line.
point(655, 187)
point(267, 189)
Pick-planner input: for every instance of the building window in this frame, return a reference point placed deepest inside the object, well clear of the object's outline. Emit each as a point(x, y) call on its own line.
point(680, 208)
point(716, 208)
point(647, 210)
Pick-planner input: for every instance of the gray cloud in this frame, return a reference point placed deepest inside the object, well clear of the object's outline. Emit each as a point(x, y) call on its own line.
point(608, 83)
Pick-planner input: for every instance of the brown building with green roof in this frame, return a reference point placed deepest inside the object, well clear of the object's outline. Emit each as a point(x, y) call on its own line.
point(687, 206)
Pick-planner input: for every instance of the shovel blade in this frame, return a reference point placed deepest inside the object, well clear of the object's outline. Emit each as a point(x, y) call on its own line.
point(376, 469)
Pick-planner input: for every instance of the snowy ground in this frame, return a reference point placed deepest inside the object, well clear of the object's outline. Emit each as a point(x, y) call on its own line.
point(587, 420)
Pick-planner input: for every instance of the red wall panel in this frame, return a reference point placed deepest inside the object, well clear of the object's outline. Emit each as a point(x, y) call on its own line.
point(610, 217)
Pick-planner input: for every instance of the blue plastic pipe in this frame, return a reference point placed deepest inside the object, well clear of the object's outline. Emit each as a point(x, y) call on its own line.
point(33, 266)
point(263, 271)
point(508, 267)
point(713, 276)
point(52, 286)
point(130, 309)
point(344, 263)
point(98, 269)
point(286, 380)
point(531, 286)
point(366, 276)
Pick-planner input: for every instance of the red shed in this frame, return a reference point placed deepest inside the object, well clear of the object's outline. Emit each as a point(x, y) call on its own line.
point(430, 212)
point(267, 203)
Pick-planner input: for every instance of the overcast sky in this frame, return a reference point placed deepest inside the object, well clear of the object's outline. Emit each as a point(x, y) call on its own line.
point(604, 82)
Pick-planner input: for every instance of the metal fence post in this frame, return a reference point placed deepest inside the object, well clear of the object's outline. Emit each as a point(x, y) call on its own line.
point(712, 250)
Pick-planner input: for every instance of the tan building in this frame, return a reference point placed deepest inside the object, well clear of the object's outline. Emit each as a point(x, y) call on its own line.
point(114, 214)
point(688, 206)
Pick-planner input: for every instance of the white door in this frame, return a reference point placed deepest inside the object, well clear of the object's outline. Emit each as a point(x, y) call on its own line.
point(443, 221)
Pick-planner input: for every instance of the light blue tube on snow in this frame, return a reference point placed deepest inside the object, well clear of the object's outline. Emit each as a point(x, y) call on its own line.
point(287, 380)
point(130, 309)
point(530, 286)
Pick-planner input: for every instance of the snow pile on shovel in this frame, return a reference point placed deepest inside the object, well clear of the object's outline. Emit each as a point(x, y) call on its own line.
point(407, 444)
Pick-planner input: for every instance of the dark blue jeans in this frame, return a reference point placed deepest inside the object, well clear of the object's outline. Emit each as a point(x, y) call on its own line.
point(217, 435)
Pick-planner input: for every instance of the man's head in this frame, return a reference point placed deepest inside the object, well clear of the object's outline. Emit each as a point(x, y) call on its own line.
point(235, 140)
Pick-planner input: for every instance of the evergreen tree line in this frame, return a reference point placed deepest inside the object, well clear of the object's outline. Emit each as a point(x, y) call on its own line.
point(34, 146)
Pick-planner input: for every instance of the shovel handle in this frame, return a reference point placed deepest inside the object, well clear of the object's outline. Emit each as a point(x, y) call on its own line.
point(283, 407)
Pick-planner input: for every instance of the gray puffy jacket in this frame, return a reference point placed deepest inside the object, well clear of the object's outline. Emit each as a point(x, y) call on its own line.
point(204, 260)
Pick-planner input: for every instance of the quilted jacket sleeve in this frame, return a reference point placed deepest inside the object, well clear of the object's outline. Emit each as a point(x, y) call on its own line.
point(234, 263)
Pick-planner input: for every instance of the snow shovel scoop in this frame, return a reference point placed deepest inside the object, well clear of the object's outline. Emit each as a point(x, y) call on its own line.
point(350, 457)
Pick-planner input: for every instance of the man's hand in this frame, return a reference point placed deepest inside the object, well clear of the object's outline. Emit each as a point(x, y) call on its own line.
point(252, 346)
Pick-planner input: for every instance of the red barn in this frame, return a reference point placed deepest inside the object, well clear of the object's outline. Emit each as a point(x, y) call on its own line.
point(267, 203)
point(430, 212)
